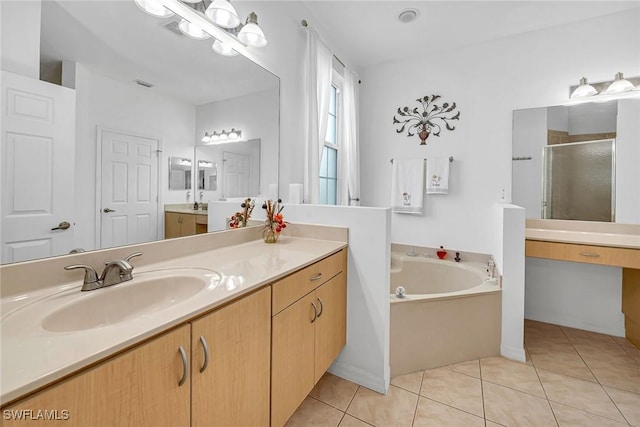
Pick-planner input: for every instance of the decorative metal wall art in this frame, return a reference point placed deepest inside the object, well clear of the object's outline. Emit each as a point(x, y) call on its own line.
point(425, 122)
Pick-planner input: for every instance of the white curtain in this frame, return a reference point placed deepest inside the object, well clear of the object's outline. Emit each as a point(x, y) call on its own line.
point(317, 90)
point(350, 183)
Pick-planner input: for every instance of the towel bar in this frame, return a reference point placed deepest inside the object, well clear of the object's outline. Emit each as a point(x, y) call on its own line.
point(450, 159)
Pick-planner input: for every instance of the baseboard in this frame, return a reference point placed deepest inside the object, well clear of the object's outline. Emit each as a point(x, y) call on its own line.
point(513, 353)
point(358, 376)
point(555, 319)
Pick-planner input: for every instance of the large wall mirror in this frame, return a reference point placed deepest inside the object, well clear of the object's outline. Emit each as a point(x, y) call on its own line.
point(136, 93)
point(578, 162)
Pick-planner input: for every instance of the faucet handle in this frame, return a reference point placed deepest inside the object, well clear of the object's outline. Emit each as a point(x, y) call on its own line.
point(90, 275)
point(133, 255)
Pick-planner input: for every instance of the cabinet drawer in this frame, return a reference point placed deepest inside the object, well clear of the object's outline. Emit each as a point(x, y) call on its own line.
point(603, 255)
point(293, 287)
point(201, 219)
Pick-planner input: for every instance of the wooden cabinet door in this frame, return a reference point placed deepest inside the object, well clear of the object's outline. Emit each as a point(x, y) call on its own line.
point(188, 225)
point(171, 225)
point(292, 365)
point(136, 388)
point(233, 389)
point(331, 325)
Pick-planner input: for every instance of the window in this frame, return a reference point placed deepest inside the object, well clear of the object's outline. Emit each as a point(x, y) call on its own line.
point(330, 153)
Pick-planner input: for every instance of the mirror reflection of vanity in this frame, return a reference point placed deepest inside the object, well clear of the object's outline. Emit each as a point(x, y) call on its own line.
point(591, 215)
point(140, 87)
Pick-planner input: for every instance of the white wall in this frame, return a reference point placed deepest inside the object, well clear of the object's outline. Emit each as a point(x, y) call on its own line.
point(257, 116)
point(487, 81)
point(110, 104)
point(627, 161)
point(365, 359)
point(582, 296)
point(20, 40)
point(509, 256)
point(529, 138)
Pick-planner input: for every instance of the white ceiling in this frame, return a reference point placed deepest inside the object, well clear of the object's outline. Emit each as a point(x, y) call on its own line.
point(116, 39)
point(367, 33)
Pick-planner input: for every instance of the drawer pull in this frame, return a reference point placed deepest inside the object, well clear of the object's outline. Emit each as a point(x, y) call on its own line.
point(316, 277)
point(185, 366)
point(205, 347)
point(321, 307)
point(315, 312)
point(590, 254)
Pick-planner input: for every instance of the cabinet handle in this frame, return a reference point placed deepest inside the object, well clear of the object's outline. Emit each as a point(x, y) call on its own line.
point(590, 254)
point(185, 366)
point(321, 307)
point(315, 312)
point(316, 277)
point(206, 354)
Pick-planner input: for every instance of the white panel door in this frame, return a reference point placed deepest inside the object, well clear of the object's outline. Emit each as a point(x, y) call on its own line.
point(236, 174)
point(129, 208)
point(38, 157)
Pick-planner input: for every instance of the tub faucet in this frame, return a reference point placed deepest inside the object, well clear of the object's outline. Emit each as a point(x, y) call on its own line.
point(457, 258)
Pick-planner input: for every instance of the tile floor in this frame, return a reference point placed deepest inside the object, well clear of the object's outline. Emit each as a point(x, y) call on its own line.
point(571, 378)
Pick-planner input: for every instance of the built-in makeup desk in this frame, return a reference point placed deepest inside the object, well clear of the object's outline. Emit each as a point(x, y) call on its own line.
point(609, 244)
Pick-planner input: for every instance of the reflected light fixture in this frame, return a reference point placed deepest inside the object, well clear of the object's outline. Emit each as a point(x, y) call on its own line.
point(222, 136)
point(251, 34)
point(219, 20)
point(223, 14)
point(585, 89)
point(154, 7)
point(191, 30)
point(620, 84)
point(223, 49)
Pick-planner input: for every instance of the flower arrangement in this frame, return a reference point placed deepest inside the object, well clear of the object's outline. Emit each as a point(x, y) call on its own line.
point(274, 222)
point(239, 219)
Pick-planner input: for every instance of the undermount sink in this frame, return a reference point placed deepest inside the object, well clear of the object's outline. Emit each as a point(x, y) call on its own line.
point(144, 295)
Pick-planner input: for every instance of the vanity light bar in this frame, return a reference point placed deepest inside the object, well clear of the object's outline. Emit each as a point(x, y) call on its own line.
point(207, 26)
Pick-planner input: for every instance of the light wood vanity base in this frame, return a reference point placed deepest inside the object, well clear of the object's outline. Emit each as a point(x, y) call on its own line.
point(627, 258)
point(631, 304)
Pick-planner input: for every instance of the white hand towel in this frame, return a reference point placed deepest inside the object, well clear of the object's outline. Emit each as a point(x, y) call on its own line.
point(438, 175)
point(407, 186)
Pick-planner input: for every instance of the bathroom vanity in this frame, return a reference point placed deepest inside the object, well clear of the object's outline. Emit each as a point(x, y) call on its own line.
point(246, 349)
point(609, 244)
point(183, 220)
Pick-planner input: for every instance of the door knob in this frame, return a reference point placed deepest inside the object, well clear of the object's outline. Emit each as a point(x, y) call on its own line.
point(107, 210)
point(62, 226)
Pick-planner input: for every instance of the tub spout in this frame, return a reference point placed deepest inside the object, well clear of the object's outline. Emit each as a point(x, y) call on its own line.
point(491, 268)
point(400, 292)
point(457, 258)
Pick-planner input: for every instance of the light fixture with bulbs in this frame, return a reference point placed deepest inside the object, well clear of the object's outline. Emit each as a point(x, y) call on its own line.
point(602, 91)
point(222, 136)
point(219, 20)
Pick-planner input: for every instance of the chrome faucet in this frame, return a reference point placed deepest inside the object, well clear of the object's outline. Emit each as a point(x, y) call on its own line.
point(492, 268)
point(114, 272)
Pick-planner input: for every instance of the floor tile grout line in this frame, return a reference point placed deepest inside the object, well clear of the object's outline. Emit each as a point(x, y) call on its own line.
point(415, 411)
point(451, 406)
point(351, 400)
point(484, 411)
point(616, 405)
point(581, 358)
point(588, 412)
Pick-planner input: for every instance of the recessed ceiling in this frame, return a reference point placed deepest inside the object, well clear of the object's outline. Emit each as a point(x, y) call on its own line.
point(367, 33)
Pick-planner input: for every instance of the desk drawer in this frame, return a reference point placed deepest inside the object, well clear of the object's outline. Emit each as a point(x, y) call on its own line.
point(603, 255)
point(293, 287)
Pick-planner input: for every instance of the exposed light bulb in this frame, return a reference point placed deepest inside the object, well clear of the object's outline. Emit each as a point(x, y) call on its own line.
point(224, 136)
point(223, 49)
point(206, 138)
point(233, 134)
point(215, 137)
point(223, 14)
point(192, 30)
point(619, 85)
point(154, 8)
point(585, 89)
point(251, 34)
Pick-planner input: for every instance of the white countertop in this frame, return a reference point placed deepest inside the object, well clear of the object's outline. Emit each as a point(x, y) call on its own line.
point(32, 357)
point(584, 233)
point(187, 211)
